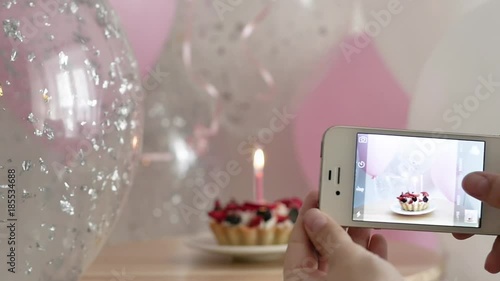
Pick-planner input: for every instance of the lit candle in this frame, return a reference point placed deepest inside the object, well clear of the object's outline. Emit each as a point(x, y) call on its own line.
point(258, 171)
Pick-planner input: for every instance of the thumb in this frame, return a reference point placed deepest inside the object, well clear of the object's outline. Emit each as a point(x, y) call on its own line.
point(483, 186)
point(328, 237)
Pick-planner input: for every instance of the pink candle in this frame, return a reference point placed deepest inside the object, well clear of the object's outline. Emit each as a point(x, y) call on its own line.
point(258, 171)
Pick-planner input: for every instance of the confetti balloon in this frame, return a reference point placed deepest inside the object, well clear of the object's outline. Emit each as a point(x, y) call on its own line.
point(253, 57)
point(71, 123)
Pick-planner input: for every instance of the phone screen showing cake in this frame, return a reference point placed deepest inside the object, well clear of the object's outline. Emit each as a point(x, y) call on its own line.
point(416, 180)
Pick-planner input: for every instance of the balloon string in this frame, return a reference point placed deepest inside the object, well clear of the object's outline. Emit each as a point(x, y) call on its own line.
point(187, 55)
point(201, 133)
point(265, 74)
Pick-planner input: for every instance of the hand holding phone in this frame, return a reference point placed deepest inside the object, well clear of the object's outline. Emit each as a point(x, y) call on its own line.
point(407, 180)
point(485, 187)
point(320, 249)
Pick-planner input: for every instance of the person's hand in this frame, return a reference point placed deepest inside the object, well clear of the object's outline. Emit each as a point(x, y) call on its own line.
point(320, 249)
point(485, 187)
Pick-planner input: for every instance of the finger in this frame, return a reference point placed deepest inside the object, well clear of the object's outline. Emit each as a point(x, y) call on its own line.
point(483, 186)
point(300, 251)
point(378, 246)
point(329, 238)
point(360, 236)
point(492, 263)
point(461, 236)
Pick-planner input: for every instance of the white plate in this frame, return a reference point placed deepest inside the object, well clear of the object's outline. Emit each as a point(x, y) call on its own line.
point(206, 242)
point(396, 208)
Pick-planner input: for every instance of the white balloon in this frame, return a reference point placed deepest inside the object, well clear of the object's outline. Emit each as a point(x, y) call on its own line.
point(459, 90)
point(406, 32)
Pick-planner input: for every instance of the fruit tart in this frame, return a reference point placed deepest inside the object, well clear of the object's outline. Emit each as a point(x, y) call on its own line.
point(411, 201)
point(251, 223)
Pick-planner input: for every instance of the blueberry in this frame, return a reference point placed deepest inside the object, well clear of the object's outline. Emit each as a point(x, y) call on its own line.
point(265, 213)
point(293, 214)
point(404, 200)
point(426, 199)
point(233, 219)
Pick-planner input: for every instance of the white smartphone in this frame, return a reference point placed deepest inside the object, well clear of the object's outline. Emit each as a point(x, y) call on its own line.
point(406, 180)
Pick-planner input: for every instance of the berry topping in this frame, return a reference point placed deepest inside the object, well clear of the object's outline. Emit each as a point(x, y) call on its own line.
point(233, 219)
point(426, 199)
point(292, 202)
point(232, 206)
point(255, 221)
point(282, 219)
point(294, 213)
point(265, 213)
point(413, 197)
point(251, 206)
point(219, 216)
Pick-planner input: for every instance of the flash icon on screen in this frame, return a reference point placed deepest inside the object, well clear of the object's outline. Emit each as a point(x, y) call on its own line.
point(358, 214)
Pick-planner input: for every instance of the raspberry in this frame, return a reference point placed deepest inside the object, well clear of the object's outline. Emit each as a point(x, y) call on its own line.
point(282, 218)
point(219, 216)
point(251, 206)
point(232, 206)
point(293, 202)
point(255, 221)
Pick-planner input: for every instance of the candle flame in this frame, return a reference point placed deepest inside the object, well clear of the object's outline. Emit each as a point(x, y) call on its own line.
point(135, 141)
point(258, 159)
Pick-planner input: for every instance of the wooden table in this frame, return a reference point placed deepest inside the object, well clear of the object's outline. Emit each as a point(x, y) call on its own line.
point(171, 260)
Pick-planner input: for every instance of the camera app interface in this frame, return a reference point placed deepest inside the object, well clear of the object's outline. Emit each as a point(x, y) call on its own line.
point(415, 180)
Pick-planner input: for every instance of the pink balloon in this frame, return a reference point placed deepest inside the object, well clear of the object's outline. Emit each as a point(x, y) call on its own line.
point(380, 153)
point(361, 92)
point(147, 24)
point(444, 171)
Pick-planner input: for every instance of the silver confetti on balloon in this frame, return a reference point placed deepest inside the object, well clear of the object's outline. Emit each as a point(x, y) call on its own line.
point(71, 122)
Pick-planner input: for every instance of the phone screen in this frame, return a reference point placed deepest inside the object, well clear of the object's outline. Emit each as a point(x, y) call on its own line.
point(416, 180)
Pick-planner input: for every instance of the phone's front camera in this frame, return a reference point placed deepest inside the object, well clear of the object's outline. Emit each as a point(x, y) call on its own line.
point(338, 193)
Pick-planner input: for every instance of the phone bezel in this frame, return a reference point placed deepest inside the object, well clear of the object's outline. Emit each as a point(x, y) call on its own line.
point(339, 150)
